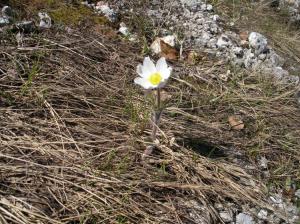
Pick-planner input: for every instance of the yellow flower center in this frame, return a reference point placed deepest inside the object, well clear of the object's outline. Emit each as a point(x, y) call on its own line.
point(155, 78)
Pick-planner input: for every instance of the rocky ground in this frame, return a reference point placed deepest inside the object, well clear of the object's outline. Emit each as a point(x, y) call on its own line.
point(210, 57)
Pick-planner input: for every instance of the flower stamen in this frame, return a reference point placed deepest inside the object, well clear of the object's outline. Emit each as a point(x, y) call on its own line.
point(155, 78)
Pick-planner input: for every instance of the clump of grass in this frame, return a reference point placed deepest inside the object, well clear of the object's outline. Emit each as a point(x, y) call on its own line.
point(70, 14)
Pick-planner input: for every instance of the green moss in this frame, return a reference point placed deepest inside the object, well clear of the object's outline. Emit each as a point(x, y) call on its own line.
point(70, 15)
point(60, 12)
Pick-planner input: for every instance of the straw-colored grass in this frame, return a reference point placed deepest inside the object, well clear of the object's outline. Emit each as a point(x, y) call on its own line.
point(73, 129)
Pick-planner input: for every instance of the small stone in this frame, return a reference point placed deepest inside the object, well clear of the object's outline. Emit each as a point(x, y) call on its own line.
point(249, 59)
point(263, 214)
point(4, 21)
point(124, 29)
point(205, 37)
point(165, 47)
point(244, 218)
point(45, 20)
point(216, 18)
point(225, 216)
point(25, 26)
point(206, 7)
point(209, 7)
point(190, 3)
point(280, 73)
point(258, 42)
point(155, 46)
point(263, 162)
point(262, 57)
point(297, 193)
point(7, 12)
point(238, 52)
point(223, 41)
point(170, 39)
point(275, 59)
point(106, 11)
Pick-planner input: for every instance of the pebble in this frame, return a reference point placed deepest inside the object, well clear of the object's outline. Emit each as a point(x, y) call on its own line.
point(7, 12)
point(4, 21)
point(104, 9)
point(258, 42)
point(243, 218)
point(226, 217)
point(297, 193)
point(223, 41)
point(45, 20)
point(25, 26)
point(263, 214)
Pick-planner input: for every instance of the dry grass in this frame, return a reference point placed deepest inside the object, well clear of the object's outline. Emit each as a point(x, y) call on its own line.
point(73, 128)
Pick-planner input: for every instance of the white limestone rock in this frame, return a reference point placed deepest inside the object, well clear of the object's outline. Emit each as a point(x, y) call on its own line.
point(258, 42)
point(7, 12)
point(45, 20)
point(223, 41)
point(263, 214)
point(243, 218)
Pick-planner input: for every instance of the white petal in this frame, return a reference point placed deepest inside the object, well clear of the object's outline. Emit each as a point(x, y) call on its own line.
point(139, 70)
point(166, 74)
point(148, 67)
point(143, 82)
point(161, 64)
point(163, 69)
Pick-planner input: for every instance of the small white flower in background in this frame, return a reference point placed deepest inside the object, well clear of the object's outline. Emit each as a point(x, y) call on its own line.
point(151, 76)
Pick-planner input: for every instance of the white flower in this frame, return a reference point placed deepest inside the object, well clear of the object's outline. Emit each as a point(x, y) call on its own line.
point(151, 76)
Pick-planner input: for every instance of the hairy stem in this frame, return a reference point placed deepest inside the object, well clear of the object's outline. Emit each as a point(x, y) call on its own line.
point(156, 116)
point(155, 122)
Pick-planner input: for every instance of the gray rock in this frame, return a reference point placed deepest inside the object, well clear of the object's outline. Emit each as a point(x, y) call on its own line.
point(238, 52)
point(25, 26)
point(250, 61)
point(223, 41)
point(258, 42)
point(216, 18)
point(281, 75)
point(7, 12)
point(200, 29)
point(226, 216)
point(45, 20)
point(263, 162)
point(191, 3)
point(263, 214)
point(104, 9)
point(209, 7)
point(206, 7)
point(4, 21)
point(275, 59)
point(297, 193)
point(205, 37)
point(244, 218)
point(262, 57)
